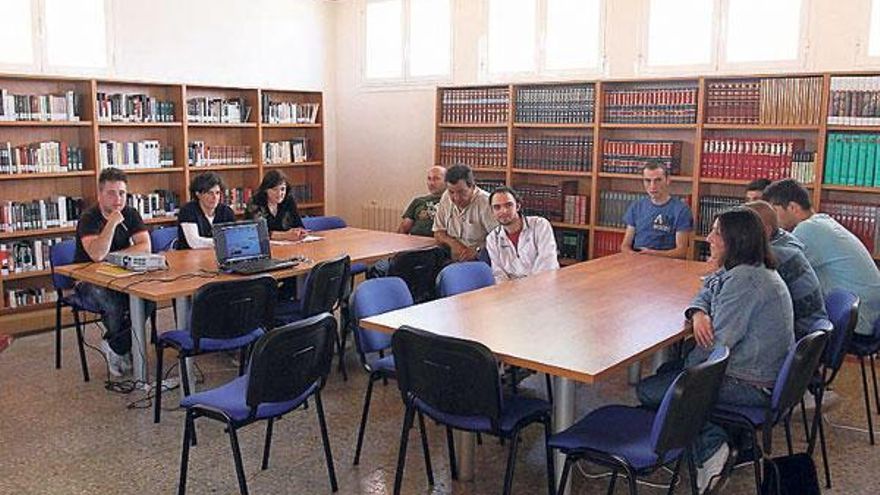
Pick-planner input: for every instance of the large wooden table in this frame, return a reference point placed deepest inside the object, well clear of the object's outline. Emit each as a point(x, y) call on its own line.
point(577, 324)
point(190, 270)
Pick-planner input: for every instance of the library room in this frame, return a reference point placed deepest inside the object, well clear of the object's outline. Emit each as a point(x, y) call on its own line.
point(439, 246)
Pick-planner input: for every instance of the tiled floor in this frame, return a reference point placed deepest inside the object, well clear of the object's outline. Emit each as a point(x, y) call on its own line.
point(60, 435)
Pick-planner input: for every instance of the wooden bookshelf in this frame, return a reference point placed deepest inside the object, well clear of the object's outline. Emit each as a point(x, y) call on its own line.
point(799, 109)
point(122, 116)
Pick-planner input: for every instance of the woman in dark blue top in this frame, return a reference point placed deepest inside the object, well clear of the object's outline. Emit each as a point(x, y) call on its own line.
point(196, 219)
point(274, 202)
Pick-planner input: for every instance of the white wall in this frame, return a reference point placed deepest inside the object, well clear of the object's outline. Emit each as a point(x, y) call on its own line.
point(386, 138)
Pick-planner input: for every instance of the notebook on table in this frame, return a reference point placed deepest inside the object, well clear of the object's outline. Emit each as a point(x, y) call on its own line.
point(244, 248)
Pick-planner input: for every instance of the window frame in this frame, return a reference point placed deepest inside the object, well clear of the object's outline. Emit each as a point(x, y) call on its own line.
point(405, 81)
point(540, 72)
point(863, 57)
point(36, 45)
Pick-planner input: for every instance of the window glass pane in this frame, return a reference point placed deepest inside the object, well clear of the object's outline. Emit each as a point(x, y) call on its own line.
point(572, 39)
point(758, 30)
point(680, 32)
point(429, 35)
point(76, 33)
point(384, 39)
point(874, 33)
point(511, 36)
point(16, 42)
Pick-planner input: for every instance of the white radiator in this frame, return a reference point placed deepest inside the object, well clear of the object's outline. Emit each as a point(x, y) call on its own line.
point(380, 217)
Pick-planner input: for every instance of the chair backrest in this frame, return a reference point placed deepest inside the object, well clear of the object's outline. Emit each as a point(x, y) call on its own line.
point(325, 285)
point(688, 402)
point(419, 269)
point(464, 277)
point(797, 370)
point(233, 308)
point(289, 360)
point(843, 310)
point(323, 223)
point(450, 375)
point(163, 239)
point(373, 297)
point(60, 254)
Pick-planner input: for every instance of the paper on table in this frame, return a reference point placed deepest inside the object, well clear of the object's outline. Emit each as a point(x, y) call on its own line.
point(308, 238)
point(312, 238)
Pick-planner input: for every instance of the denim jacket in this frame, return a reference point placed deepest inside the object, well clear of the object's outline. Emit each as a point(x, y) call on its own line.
point(751, 314)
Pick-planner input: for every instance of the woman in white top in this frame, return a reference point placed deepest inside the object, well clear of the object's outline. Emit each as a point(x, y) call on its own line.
point(197, 218)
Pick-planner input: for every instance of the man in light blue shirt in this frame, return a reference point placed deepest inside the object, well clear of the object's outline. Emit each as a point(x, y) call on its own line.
point(837, 256)
point(659, 224)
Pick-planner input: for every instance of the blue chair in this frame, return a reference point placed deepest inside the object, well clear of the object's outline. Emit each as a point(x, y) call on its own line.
point(866, 346)
point(288, 365)
point(455, 382)
point(638, 441)
point(419, 269)
point(798, 369)
point(226, 316)
point(318, 224)
point(464, 277)
point(163, 239)
point(60, 254)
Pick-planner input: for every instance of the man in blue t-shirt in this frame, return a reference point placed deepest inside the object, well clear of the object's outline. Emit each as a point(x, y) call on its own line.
point(659, 224)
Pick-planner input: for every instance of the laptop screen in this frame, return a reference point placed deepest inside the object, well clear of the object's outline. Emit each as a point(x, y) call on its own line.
point(239, 241)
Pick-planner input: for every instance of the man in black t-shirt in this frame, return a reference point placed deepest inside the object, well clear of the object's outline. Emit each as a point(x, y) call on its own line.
point(107, 227)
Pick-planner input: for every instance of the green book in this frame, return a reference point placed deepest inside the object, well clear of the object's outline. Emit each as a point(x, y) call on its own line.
point(832, 159)
point(862, 153)
point(870, 158)
point(845, 152)
point(877, 161)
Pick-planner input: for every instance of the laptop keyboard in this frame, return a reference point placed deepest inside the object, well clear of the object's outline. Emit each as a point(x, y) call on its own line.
point(260, 265)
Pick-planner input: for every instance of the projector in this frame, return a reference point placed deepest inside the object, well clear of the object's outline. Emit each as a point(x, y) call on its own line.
point(138, 262)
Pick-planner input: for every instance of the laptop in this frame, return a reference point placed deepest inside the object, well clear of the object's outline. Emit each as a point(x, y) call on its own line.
point(243, 248)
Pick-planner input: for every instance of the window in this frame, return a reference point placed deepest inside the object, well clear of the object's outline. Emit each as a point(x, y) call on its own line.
point(76, 33)
point(874, 30)
point(542, 36)
point(761, 31)
point(407, 39)
point(668, 43)
point(16, 40)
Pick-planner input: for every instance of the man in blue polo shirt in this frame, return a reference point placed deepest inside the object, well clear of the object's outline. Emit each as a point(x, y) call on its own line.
point(659, 224)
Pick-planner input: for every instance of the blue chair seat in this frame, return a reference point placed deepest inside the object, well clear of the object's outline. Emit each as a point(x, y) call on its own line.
point(182, 339)
point(79, 303)
point(755, 415)
point(633, 443)
point(230, 398)
point(358, 268)
point(517, 409)
point(865, 345)
point(385, 364)
point(287, 311)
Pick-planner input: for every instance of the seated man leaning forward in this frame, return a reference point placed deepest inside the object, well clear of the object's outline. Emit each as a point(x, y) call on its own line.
point(521, 245)
point(659, 224)
point(464, 216)
point(418, 219)
point(745, 306)
point(107, 227)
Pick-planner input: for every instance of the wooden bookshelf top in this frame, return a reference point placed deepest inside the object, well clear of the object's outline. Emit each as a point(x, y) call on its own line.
point(20, 234)
point(56, 175)
point(605, 125)
point(47, 123)
point(559, 173)
point(206, 168)
point(673, 178)
point(600, 228)
point(550, 125)
point(158, 170)
point(499, 125)
point(855, 189)
point(499, 170)
point(24, 275)
point(573, 226)
point(763, 127)
point(139, 124)
point(291, 126)
point(844, 127)
point(159, 220)
point(317, 204)
point(26, 309)
point(736, 182)
point(313, 163)
point(221, 125)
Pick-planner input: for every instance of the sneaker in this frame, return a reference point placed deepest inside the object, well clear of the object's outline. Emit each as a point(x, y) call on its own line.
point(126, 363)
point(115, 362)
point(712, 468)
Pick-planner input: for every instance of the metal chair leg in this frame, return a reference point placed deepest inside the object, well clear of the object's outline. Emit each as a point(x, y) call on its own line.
point(157, 394)
point(236, 457)
point(511, 463)
point(363, 426)
point(874, 379)
point(267, 445)
point(551, 467)
point(58, 334)
point(401, 453)
point(325, 438)
point(184, 452)
point(450, 445)
point(80, 339)
point(566, 468)
point(867, 400)
point(423, 432)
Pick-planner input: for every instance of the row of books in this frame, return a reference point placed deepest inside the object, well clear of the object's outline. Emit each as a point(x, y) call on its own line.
point(201, 155)
point(733, 102)
point(237, 197)
point(853, 160)
point(475, 149)
point(135, 154)
point(863, 220)
point(489, 185)
point(613, 206)
point(217, 110)
point(475, 106)
point(157, 204)
point(546, 200)
point(133, 107)
point(63, 107)
point(803, 166)
point(770, 101)
point(576, 209)
point(288, 112)
point(606, 243)
point(711, 206)
point(628, 156)
point(571, 244)
point(40, 158)
point(748, 158)
point(854, 101)
point(554, 152)
point(673, 103)
point(18, 298)
point(55, 212)
point(302, 192)
point(573, 104)
point(28, 255)
point(294, 150)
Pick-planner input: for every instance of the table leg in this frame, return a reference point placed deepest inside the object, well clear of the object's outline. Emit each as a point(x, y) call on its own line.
point(183, 305)
point(138, 340)
point(466, 444)
point(563, 417)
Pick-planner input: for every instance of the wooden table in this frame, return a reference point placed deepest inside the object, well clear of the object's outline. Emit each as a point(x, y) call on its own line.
point(578, 324)
point(189, 270)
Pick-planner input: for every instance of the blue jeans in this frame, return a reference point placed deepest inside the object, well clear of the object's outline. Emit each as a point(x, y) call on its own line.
point(734, 392)
point(114, 314)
